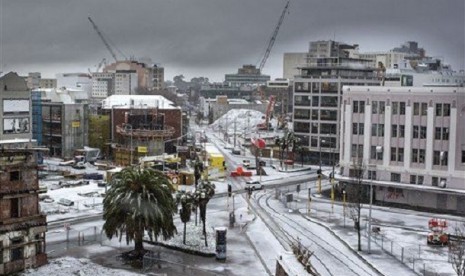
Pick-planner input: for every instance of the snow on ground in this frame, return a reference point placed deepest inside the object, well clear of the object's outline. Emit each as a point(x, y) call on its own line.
point(74, 266)
point(242, 120)
point(256, 232)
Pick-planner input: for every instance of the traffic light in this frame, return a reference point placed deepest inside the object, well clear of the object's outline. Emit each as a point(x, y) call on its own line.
point(229, 190)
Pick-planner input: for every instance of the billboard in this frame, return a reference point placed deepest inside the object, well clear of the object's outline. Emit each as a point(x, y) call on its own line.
point(16, 125)
point(15, 106)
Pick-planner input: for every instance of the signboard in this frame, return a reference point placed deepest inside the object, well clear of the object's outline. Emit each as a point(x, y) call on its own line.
point(16, 125)
point(75, 124)
point(142, 149)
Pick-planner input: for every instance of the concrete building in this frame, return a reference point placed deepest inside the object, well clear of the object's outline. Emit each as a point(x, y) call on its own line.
point(60, 120)
point(291, 64)
point(410, 140)
point(102, 85)
point(22, 225)
point(211, 91)
point(15, 108)
point(149, 76)
point(75, 81)
point(317, 96)
point(142, 125)
point(34, 80)
point(125, 82)
point(247, 75)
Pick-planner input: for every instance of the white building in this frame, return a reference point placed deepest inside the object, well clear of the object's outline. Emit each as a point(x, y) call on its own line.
point(75, 81)
point(410, 140)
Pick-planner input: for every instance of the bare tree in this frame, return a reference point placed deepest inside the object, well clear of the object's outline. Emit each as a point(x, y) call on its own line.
point(355, 198)
point(457, 250)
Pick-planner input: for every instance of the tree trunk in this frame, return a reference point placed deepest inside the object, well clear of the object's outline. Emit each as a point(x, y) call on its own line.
point(184, 235)
point(138, 243)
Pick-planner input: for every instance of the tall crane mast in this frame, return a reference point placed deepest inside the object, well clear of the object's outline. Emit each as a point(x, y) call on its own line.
point(273, 37)
point(103, 39)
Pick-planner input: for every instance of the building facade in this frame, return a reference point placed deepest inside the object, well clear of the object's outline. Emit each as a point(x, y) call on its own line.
point(15, 108)
point(247, 75)
point(317, 97)
point(22, 225)
point(410, 140)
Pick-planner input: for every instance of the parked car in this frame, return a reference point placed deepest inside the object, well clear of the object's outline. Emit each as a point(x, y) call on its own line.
point(236, 151)
point(253, 185)
point(245, 163)
point(79, 166)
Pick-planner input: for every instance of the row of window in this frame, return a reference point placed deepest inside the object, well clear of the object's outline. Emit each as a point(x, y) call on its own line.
point(377, 130)
point(398, 108)
point(397, 155)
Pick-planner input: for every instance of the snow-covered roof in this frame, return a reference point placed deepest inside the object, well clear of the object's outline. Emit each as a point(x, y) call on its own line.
point(138, 101)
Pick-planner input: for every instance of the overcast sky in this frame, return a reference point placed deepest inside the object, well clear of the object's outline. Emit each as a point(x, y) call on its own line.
point(213, 37)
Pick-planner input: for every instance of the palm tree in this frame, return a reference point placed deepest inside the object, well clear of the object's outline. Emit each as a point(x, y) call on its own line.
point(202, 196)
point(187, 201)
point(138, 201)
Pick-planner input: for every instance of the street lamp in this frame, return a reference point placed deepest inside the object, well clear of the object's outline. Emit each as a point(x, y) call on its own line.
point(344, 205)
point(379, 149)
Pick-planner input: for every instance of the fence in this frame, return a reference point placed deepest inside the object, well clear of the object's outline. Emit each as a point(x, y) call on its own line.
point(414, 257)
point(73, 238)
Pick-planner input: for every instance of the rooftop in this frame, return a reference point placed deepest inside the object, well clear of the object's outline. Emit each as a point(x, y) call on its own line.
point(137, 102)
point(401, 90)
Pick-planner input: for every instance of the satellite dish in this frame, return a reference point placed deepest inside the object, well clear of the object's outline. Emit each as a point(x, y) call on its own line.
point(442, 184)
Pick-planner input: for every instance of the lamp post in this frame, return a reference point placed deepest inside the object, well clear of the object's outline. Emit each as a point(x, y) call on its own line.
point(332, 176)
point(344, 205)
point(379, 149)
point(319, 171)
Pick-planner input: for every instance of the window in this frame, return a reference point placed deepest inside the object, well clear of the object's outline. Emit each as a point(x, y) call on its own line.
point(393, 130)
point(382, 107)
point(415, 131)
point(15, 175)
point(395, 177)
point(374, 154)
point(424, 109)
point(421, 156)
point(445, 133)
point(362, 106)
point(437, 133)
point(377, 130)
point(355, 107)
point(372, 175)
point(393, 154)
point(444, 158)
point(354, 128)
point(434, 181)
point(402, 108)
point(354, 150)
point(395, 108)
point(415, 155)
point(422, 132)
point(374, 107)
point(420, 179)
point(400, 155)
point(413, 179)
point(361, 128)
point(315, 101)
point(314, 114)
point(438, 109)
point(315, 128)
point(446, 110)
point(314, 141)
point(436, 157)
point(401, 131)
point(14, 208)
point(463, 156)
point(416, 109)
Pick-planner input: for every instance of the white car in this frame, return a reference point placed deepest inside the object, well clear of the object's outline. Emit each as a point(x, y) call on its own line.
point(253, 185)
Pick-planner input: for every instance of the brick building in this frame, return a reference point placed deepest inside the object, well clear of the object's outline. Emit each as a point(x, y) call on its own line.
point(22, 226)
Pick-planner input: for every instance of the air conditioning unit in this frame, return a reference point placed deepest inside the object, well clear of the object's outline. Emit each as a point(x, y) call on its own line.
point(442, 184)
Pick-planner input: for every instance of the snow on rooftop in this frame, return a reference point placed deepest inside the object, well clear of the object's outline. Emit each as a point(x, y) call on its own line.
point(138, 101)
point(243, 120)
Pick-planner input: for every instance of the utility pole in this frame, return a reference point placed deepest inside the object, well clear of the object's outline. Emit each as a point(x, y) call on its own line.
point(234, 132)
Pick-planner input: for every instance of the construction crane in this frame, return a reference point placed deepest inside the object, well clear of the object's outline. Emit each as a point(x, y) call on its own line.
point(273, 37)
point(269, 110)
point(103, 39)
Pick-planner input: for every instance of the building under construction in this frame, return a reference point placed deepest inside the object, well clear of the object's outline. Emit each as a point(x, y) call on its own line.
point(142, 126)
point(22, 226)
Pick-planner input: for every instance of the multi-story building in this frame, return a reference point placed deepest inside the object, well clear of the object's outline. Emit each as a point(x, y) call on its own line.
point(317, 96)
point(291, 64)
point(34, 80)
point(142, 125)
point(22, 225)
point(59, 121)
point(149, 76)
point(15, 108)
point(75, 81)
point(125, 82)
point(102, 85)
point(411, 142)
point(247, 75)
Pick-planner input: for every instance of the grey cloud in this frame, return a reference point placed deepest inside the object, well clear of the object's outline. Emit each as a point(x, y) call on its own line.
point(206, 35)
